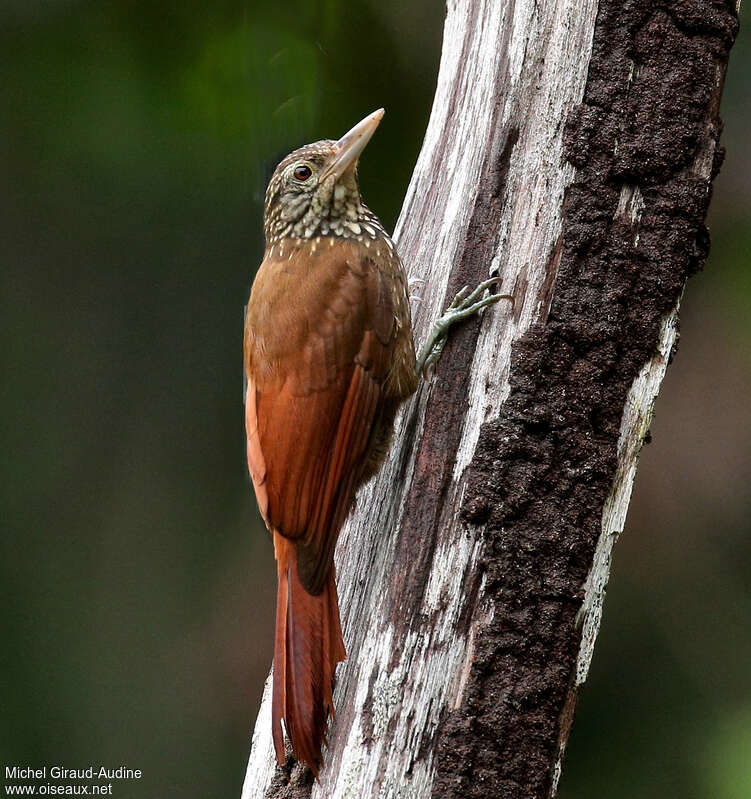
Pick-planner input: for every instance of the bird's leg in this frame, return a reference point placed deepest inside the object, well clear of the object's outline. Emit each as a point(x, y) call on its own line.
point(465, 304)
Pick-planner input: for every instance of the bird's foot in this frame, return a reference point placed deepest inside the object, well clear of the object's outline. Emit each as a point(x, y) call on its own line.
point(465, 304)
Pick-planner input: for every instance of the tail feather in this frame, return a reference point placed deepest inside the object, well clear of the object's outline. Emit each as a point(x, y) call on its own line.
point(308, 645)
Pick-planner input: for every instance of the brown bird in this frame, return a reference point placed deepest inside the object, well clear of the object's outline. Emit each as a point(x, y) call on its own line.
point(329, 357)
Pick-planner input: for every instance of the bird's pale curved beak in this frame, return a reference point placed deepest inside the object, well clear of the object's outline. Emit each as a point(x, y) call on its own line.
point(347, 150)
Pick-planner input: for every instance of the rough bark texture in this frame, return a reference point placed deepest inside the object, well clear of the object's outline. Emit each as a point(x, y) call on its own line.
point(473, 574)
point(644, 144)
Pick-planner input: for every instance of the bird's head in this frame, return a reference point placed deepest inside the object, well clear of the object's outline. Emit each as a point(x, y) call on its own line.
point(314, 191)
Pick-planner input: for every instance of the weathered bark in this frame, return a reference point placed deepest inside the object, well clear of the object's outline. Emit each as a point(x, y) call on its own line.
point(571, 150)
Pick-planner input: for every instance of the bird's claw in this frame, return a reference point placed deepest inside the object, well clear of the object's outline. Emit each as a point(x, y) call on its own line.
point(465, 304)
point(460, 295)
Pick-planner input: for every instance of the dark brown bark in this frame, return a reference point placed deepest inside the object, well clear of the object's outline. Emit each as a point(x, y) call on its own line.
point(533, 495)
point(542, 470)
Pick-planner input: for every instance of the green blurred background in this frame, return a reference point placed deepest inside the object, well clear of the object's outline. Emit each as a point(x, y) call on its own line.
point(137, 582)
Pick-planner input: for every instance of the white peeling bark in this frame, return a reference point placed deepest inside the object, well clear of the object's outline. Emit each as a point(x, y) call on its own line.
point(505, 65)
point(511, 72)
point(637, 417)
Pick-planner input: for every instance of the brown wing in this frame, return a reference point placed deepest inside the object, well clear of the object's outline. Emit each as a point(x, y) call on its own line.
point(319, 334)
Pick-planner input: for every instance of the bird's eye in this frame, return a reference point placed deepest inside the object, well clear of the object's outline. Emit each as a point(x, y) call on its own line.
point(302, 172)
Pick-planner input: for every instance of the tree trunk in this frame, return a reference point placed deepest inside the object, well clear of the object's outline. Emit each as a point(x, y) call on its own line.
point(571, 150)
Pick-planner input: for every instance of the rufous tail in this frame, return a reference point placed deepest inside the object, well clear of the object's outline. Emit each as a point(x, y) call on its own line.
point(307, 647)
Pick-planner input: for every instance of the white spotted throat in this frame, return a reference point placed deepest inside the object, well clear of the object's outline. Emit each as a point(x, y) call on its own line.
point(329, 358)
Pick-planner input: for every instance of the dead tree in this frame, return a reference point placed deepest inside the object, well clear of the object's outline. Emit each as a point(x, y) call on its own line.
point(571, 150)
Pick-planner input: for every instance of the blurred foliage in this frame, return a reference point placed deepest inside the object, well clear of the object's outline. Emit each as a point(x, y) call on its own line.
point(137, 582)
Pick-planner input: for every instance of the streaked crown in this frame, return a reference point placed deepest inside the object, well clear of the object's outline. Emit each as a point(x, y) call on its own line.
point(314, 190)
